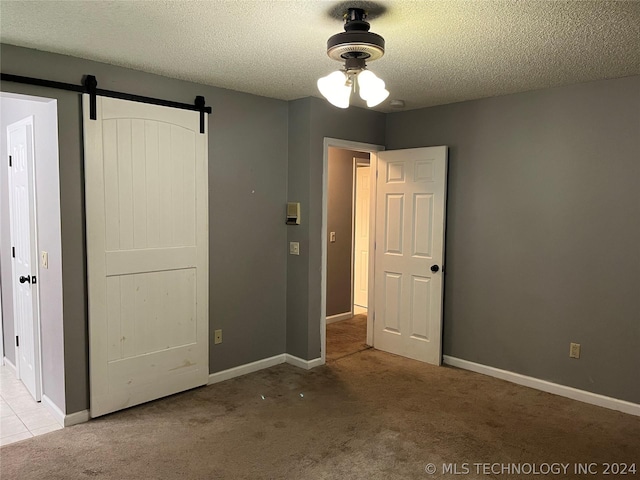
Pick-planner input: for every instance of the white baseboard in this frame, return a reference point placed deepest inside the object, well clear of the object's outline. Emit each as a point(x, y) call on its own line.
point(8, 363)
point(545, 386)
point(262, 364)
point(306, 364)
point(248, 368)
point(53, 409)
point(63, 419)
point(76, 418)
point(339, 317)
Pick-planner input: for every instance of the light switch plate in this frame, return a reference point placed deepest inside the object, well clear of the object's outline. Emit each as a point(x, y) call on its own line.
point(294, 248)
point(44, 257)
point(217, 337)
point(332, 237)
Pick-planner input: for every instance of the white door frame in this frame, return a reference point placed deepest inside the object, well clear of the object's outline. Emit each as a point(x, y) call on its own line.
point(35, 258)
point(357, 162)
point(358, 147)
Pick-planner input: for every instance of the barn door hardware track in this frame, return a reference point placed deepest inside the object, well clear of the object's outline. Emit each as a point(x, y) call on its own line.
point(90, 86)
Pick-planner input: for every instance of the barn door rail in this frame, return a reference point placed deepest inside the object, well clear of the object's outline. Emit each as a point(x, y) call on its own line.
point(90, 86)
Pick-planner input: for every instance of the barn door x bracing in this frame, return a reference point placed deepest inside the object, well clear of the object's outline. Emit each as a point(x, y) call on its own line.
point(410, 220)
point(147, 252)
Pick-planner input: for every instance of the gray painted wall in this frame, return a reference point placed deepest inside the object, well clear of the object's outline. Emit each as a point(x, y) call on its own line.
point(248, 138)
point(542, 221)
point(310, 121)
point(340, 221)
point(543, 230)
point(48, 237)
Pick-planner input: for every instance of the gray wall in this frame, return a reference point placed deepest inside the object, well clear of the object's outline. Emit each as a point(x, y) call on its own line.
point(248, 138)
point(48, 237)
point(340, 221)
point(310, 121)
point(543, 230)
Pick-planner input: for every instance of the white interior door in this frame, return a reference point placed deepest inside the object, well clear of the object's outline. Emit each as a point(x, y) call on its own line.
point(361, 240)
point(25, 267)
point(147, 251)
point(410, 219)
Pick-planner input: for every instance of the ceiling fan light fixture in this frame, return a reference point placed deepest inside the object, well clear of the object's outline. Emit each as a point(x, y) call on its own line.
point(354, 47)
point(372, 89)
point(336, 88)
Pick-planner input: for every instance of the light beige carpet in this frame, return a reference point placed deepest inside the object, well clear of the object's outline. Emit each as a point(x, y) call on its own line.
point(368, 415)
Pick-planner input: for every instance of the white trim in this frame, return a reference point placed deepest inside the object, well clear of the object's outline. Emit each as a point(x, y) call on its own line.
point(373, 195)
point(339, 317)
point(306, 364)
point(75, 418)
point(261, 365)
point(65, 420)
point(545, 386)
point(347, 145)
point(245, 369)
point(8, 363)
point(352, 280)
point(53, 409)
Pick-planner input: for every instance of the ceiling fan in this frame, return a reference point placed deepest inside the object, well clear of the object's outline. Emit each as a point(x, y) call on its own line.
point(355, 47)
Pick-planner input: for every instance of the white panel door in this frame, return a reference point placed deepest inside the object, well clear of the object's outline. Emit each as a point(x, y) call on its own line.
point(410, 219)
point(147, 250)
point(361, 241)
point(23, 240)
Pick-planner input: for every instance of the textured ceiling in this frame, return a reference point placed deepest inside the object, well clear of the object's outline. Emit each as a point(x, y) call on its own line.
point(437, 51)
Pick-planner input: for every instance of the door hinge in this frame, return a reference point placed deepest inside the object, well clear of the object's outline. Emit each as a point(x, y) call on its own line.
point(17, 341)
point(13, 252)
point(9, 160)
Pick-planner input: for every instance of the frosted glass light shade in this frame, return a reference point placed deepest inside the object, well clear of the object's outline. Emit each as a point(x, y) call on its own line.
point(335, 89)
point(372, 88)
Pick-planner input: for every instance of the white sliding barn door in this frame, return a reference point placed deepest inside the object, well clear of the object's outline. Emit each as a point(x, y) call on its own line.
point(410, 214)
point(146, 194)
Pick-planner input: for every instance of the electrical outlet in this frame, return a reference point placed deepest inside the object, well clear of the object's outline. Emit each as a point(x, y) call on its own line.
point(44, 256)
point(217, 337)
point(574, 350)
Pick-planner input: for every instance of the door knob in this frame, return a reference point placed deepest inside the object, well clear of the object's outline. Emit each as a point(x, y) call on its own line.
point(24, 279)
point(435, 268)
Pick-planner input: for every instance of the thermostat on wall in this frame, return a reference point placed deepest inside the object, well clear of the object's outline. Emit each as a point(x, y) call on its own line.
point(293, 213)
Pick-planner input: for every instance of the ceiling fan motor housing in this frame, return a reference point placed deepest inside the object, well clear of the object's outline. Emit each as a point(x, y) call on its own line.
point(356, 42)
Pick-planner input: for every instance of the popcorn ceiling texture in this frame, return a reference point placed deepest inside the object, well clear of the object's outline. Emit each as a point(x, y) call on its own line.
point(438, 52)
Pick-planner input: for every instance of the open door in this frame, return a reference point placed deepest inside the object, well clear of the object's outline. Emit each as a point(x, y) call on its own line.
point(24, 253)
point(409, 252)
point(361, 236)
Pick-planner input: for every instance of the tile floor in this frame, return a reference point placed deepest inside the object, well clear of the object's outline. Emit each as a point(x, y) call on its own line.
point(21, 416)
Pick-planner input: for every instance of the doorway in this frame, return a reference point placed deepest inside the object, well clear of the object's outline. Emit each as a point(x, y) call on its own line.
point(347, 251)
point(406, 270)
point(30, 263)
point(346, 254)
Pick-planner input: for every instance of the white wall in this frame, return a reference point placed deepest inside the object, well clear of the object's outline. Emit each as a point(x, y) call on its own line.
point(14, 108)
